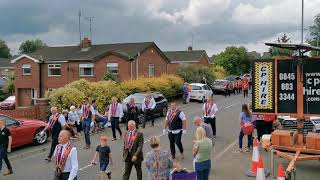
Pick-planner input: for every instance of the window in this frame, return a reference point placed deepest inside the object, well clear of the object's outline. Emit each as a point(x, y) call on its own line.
point(193, 87)
point(151, 70)
point(86, 69)
point(54, 69)
point(34, 96)
point(9, 121)
point(26, 69)
point(112, 68)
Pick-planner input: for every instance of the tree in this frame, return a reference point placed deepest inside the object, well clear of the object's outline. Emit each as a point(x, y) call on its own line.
point(4, 50)
point(31, 46)
point(274, 51)
point(9, 87)
point(195, 73)
point(234, 60)
point(315, 34)
point(109, 77)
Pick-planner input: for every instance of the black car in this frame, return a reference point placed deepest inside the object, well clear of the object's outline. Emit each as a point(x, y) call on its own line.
point(160, 109)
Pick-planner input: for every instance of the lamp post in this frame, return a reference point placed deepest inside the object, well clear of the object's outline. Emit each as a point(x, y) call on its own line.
point(302, 21)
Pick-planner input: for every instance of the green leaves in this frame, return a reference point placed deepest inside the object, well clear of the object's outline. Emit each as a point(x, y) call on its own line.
point(31, 46)
point(4, 50)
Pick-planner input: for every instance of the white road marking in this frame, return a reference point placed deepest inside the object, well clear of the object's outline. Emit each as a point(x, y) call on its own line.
point(217, 157)
point(89, 165)
point(229, 106)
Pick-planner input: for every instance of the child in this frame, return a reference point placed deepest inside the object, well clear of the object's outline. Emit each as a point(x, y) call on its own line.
point(178, 169)
point(103, 150)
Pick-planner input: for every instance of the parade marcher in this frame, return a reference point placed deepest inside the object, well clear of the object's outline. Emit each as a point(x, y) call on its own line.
point(132, 151)
point(209, 110)
point(247, 128)
point(176, 123)
point(202, 154)
point(5, 146)
point(200, 123)
point(87, 116)
point(104, 153)
point(132, 112)
point(228, 89)
point(239, 86)
point(66, 158)
point(148, 106)
point(158, 162)
point(185, 93)
point(115, 114)
point(56, 123)
point(73, 118)
point(236, 87)
point(245, 87)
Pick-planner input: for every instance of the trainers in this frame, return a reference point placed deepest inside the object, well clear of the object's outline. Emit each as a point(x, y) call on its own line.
point(109, 174)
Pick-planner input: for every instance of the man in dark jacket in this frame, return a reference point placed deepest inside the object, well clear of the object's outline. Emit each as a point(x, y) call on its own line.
point(132, 151)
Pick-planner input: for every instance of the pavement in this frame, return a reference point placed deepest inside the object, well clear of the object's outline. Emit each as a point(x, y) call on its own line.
point(29, 164)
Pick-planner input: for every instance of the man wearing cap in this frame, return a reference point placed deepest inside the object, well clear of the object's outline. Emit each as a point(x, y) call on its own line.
point(56, 123)
point(148, 106)
point(87, 116)
point(66, 158)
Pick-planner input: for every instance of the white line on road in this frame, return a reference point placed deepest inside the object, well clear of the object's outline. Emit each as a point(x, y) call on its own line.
point(225, 150)
point(89, 165)
point(229, 106)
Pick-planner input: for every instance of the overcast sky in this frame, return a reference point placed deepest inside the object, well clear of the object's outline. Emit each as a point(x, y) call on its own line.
point(214, 24)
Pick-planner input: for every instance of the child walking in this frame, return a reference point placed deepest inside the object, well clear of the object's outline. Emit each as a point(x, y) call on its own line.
point(104, 153)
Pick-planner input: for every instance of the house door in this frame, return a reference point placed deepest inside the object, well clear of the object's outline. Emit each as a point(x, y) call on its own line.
point(33, 96)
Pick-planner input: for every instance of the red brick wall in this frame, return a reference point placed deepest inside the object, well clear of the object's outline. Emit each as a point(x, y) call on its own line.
point(173, 67)
point(204, 61)
point(30, 112)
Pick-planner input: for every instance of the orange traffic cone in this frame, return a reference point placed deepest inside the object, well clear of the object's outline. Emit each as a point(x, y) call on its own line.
point(254, 162)
point(260, 170)
point(280, 173)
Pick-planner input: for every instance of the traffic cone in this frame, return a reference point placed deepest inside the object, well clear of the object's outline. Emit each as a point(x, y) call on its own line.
point(280, 173)
point(260, 170)
point(255, 158)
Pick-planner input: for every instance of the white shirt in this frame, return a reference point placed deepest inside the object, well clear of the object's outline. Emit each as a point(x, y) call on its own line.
point(118, 113)
point(61, 119)
point(151, 105)
point(72, 164)
point(213, 111)
point(182, 116)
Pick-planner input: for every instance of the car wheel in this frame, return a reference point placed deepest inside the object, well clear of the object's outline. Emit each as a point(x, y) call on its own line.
point(40, 139)
point(164, 112)
point(141, 118)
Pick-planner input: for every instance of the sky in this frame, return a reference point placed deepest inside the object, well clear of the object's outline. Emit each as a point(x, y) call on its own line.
point(171, 24)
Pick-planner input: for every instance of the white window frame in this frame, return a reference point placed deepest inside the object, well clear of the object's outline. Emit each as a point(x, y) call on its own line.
point(54, 66)
point(34, 96)
point(87, 65)
point(113, 65)
point(26, 66)
point(151, 66)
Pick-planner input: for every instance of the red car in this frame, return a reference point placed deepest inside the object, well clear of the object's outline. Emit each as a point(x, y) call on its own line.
point(25, 131)
point(8, 103)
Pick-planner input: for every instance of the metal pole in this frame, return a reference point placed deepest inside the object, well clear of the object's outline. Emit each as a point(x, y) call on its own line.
point(272, 163)
point(318, 44)
point(80, 25)
point(302, 22)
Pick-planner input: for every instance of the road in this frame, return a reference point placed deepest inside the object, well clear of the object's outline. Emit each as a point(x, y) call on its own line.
point(29, 162)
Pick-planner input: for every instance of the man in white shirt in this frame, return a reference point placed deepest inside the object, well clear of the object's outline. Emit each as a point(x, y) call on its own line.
point(87, 116)
point(176, 122)
point(209, 114)
point(115, 114)
point(148, 106)
point(66, 158)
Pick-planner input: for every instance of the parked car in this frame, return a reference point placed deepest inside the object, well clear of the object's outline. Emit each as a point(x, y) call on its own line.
point(200, 92)
point(8, 103)
point(25, 131)
point(219, 86)
point(160, 109)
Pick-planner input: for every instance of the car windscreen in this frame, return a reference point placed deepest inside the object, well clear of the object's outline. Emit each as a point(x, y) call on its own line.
point(193, 87)
point(137, 98)
point(219, 82)
point(11, 98)
point(230, 78)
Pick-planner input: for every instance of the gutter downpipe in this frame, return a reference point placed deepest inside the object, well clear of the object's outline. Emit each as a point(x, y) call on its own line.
point(137, 66)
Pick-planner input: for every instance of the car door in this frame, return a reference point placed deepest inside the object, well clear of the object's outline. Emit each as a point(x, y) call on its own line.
point(161, 101)
point(209, 91)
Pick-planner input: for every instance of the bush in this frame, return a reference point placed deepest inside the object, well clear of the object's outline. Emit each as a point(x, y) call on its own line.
point(102, 91)
point(195, 73)
point(218, 71)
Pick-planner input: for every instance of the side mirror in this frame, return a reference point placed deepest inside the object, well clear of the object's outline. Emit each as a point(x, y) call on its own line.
point(17, 123)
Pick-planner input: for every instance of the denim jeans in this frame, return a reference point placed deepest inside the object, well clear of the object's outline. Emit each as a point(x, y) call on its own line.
point(102, 119)
point(203, 169)
point(4, 156)
point(86, 131)
point(250, 140)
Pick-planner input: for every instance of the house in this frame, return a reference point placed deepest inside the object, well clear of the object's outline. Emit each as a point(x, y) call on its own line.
point(179, 58)
point(5, 68)
point(53, 67)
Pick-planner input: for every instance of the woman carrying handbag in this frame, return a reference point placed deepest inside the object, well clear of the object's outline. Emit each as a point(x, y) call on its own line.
point(247, 128)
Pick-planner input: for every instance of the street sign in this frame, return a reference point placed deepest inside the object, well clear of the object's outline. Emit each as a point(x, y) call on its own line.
point(263, 86)
point(286, 86)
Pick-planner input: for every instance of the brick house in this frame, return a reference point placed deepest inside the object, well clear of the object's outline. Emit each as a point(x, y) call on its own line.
point(180, 58)
point(53, 67)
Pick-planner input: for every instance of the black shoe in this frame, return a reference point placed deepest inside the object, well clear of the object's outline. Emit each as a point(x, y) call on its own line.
point(109, 174)
point(48, 159)
point(9, 172)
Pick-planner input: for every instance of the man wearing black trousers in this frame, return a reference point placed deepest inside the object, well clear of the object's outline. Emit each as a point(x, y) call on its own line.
point(115, 114)
point(5, 146)
point(209, 113)
point(176, 123)
point(148, 106)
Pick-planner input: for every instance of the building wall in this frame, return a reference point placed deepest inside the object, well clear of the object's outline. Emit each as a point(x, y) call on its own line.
point(173, 67)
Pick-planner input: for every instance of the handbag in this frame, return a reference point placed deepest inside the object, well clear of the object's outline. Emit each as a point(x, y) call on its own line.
point(247, 128)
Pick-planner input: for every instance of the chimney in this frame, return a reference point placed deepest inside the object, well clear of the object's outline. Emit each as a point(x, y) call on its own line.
point(85, 44)
point(190, 48)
